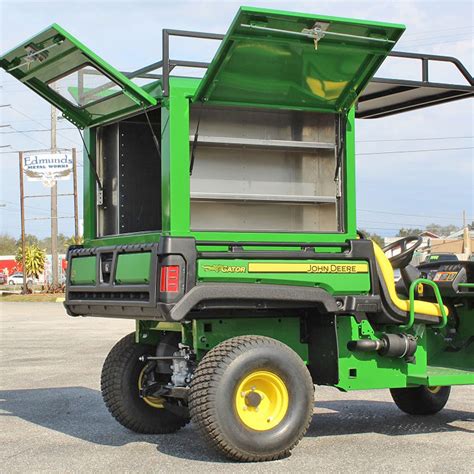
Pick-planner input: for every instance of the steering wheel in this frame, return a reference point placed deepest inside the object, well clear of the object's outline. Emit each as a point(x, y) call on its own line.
point(402, 259)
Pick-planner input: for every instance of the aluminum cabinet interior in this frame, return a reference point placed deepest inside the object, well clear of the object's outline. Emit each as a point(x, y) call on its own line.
point(129, 166)
point(263, 170)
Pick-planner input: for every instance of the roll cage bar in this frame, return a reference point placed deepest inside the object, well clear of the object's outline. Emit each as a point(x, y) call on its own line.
point(381, 98)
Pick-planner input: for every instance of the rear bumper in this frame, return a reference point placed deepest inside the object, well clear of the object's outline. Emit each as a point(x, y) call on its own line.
point(103, 296)
point(216, 296)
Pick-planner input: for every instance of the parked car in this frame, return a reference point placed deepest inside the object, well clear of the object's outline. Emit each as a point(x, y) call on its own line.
point(3, 279)
point(17, 279)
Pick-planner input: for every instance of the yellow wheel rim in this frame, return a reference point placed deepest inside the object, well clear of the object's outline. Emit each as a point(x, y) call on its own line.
point(261, 400)
point(434, 389)
point(155, 402)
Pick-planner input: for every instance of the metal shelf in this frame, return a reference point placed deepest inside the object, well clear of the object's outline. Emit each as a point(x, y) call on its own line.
point(285, 145)
point(266, 198)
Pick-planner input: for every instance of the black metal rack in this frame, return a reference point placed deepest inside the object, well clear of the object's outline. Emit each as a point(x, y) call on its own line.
point(381, 98)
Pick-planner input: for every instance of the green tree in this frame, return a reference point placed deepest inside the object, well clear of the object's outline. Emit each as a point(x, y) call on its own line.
point(406, 232)
point(8, 244)
point(30, 239)
point(34, 260)
point(63, 243)
point(441, 230)
point(378, 239)
point(73, 241)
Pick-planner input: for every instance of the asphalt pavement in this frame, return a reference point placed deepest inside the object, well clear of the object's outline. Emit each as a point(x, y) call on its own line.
point(52, 418)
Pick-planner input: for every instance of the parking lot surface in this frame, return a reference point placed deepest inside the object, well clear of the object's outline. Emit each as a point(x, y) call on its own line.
point(52, 418)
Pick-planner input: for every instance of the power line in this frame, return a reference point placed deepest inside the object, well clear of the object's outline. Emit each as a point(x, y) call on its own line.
point(404, 224)
point(15, 152)
point(401, 152)
point(410, 34)
point(36, 130)
point(30, 207)
point(409, 215)
point(427, 38)
point(30, 137)
point(381, 228)
point(39, 123)
point(439, 42)
point(414, 139)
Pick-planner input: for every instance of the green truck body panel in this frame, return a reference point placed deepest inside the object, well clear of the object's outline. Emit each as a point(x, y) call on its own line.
point(334, 276)
point(265, 60)
point(133, 268)
point(83, 270)
point(209, 333)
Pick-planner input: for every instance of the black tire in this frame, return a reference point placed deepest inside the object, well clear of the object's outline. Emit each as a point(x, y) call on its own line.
point(119, 384)
point(214, 391)
point(421, 400)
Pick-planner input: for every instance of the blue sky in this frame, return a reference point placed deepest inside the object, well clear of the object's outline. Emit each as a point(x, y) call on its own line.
point(394, 190)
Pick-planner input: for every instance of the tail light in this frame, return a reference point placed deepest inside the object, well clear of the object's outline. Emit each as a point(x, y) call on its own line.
point(169, 281)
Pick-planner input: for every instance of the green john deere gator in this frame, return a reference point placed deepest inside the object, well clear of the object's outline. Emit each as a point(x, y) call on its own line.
point(220, 214)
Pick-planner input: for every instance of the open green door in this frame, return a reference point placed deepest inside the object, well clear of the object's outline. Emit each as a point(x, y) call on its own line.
point(294, 60)
point(87, 90)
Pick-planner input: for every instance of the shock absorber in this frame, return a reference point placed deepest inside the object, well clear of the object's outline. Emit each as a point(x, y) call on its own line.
point(401, 346)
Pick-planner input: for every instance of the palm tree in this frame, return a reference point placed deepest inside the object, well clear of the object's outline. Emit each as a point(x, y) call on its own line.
point(34, 260)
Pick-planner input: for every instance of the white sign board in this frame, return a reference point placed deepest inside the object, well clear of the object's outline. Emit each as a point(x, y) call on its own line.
point(48, 167)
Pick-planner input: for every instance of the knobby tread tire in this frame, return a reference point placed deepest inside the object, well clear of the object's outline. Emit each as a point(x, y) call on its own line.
point(202, 395)
point(118, 392)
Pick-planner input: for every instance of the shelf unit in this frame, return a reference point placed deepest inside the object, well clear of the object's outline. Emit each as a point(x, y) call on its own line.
point(263, 198)
point(256, 143)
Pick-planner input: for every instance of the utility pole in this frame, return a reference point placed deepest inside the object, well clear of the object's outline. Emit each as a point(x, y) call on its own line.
point(22, 214)
point(74, 184)
point(54, 205)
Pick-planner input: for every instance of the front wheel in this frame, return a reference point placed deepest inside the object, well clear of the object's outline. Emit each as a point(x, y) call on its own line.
point(252, 398)
point(121, 381)
point(421, 400)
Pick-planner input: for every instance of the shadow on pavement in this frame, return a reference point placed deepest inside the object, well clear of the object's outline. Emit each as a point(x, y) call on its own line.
point(346, 417)
point(74, 411)
point(79, 412)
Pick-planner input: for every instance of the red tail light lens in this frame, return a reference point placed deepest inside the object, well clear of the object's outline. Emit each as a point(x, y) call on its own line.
point(169, 279)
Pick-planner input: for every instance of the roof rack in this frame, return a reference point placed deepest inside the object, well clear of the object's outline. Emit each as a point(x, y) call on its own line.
point(381, 98)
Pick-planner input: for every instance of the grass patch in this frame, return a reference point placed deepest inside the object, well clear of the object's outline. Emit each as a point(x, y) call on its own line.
point(34, 298)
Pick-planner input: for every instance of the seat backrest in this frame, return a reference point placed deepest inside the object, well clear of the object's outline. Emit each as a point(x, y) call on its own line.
point(386, 272)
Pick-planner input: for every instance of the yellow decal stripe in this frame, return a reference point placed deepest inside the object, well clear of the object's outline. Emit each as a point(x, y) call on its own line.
point(308, 267)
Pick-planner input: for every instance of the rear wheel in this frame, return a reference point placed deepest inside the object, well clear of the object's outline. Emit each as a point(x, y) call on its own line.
point(123, 375)
point(421, 400)
point(252, 398)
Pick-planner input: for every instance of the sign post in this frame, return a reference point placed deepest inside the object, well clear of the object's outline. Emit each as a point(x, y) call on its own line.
point(22, 213)
point(49, 168)
point(74, 183)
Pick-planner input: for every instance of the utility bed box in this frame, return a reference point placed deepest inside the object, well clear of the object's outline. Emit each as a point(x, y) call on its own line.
point(264, 170)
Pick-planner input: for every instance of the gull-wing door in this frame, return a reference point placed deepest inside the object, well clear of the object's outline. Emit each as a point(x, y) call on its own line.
point(87, 89)
point(280, 59)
